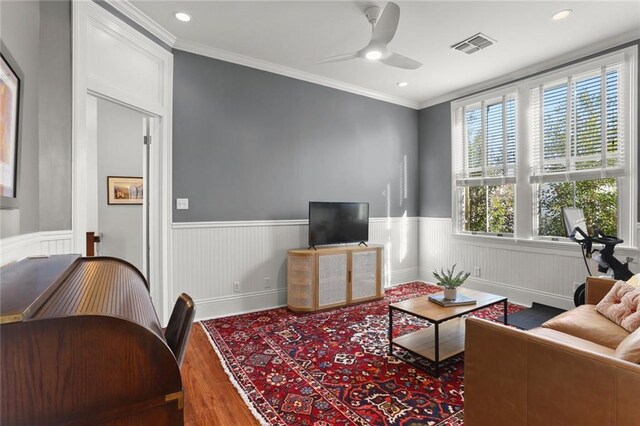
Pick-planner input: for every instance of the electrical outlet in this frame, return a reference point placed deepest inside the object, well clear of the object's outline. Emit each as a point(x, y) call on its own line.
point(476, 271)
point(236, 287)
point(267, 282)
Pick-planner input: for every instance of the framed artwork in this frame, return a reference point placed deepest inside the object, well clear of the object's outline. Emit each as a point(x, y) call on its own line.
point(10, 81)
point(124, 190)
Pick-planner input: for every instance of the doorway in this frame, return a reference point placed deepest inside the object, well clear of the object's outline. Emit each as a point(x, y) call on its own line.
point(118, 162)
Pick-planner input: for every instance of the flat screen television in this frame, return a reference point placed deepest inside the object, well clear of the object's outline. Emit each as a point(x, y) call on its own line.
point(334, 223)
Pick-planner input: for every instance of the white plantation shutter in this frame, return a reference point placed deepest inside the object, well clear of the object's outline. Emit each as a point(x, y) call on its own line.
point(486, 139)
point(576, 128)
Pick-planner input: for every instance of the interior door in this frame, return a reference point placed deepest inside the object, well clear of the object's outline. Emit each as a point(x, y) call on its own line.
point(118, 180)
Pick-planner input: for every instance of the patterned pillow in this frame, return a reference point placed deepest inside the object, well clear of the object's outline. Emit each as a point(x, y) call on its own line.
point(622, 306)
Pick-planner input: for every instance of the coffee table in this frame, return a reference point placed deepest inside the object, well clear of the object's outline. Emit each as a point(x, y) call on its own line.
point(445, 338)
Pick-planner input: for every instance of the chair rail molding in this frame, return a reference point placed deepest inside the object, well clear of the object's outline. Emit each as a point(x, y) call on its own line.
point(113, 61)
point(46, 243)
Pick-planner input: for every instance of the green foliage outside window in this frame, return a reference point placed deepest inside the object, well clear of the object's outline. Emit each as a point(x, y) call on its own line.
point(598, 199)
point(489, 209)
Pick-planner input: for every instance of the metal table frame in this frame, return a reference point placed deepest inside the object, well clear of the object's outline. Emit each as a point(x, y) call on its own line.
point(436, 324)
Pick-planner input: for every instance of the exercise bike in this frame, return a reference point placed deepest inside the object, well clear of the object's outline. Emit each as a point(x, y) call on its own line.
point(574, 225)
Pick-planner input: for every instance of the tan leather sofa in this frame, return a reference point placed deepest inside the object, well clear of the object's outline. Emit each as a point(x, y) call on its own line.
point(547, 376)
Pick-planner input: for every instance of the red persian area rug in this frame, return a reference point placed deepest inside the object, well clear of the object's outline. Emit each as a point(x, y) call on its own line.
point(333, 367)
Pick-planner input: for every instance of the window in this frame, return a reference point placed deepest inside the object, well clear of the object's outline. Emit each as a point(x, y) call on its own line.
point(577, 148)
point(558, 140)
point(487, 170)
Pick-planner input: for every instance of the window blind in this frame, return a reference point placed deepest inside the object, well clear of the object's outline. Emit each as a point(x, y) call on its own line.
point(575, 127)
point(487, 142)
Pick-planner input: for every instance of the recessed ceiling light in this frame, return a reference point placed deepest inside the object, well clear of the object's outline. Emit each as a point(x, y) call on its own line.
point(181, 16)
point(561, 15)
point(373, 55)
point(403, 84)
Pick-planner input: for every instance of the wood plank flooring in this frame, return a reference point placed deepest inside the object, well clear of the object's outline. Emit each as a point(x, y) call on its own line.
point(210, 398)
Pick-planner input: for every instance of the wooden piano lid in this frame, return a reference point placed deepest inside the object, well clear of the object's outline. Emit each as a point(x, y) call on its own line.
point(26, 285)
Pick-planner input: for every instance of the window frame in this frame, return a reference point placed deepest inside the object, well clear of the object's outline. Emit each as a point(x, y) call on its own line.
point(526, 193)
point(506, 92)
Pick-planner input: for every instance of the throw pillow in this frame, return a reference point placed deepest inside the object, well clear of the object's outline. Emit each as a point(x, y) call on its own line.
point(622, 306)
point(629, 348)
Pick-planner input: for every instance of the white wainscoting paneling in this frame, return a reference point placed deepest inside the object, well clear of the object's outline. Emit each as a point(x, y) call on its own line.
point(524, 271)
point(16, 248)
point(208, 257)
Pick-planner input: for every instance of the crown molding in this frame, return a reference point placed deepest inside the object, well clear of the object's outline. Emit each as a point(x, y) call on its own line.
point(142, 19)
point(535, 69)
point(224, 55)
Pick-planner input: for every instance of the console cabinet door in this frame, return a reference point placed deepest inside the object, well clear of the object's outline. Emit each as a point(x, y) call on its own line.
point(364, 275)
point(332, 280)
point(300, 283)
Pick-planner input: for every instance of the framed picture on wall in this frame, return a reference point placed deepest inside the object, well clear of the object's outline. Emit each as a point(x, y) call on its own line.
point(124, 190)
point(10, 92)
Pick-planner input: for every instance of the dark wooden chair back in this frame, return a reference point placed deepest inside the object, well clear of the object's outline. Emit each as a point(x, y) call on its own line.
point(179, 327)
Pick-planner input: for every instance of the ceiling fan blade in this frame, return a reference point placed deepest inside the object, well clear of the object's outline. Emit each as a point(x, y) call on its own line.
point(399, 61)
point(338, 58)
point(386, 27)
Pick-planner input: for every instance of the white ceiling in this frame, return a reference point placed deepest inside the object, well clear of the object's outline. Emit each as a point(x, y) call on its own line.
point(289, 36)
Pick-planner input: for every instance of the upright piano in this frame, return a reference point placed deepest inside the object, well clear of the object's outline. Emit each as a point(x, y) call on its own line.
point(80, 343)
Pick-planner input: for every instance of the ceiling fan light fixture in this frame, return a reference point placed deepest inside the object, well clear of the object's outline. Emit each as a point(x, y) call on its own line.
point(373, 55)
point(558, 16)
point(181, 16)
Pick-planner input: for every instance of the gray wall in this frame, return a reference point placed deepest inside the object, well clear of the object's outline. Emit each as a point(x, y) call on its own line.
point(55, 115)
point(435, 152)
point(250, 145)
point(120, 153)
point(38, 37)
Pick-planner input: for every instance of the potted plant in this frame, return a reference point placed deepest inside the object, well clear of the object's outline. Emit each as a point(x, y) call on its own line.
point(450, 282)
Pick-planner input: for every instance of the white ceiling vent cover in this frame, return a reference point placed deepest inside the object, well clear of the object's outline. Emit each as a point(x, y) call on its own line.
point(473, 44)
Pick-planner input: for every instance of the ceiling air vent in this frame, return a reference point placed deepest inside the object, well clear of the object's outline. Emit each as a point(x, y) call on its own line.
point(473, 44)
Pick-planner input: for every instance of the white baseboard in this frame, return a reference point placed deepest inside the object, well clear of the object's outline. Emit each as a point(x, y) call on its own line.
point(240, 304)
point(518, 295)
point(400, 276)
point(236, 304)
point(521, 296)
point(13, 249)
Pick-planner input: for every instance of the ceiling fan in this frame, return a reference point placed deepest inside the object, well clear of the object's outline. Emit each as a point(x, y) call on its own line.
point(383, 27)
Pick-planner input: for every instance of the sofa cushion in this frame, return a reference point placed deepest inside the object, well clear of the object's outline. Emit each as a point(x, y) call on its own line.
point(586, 323)
point(573, 341)
point(629, 348)
point(622, 306)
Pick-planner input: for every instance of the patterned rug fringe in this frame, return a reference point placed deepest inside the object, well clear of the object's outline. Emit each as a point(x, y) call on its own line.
point(233, 381)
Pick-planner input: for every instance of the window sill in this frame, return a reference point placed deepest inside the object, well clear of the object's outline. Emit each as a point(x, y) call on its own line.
point(534, 245)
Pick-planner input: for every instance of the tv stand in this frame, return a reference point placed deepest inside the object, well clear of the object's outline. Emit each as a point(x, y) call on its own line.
point(330, 277)
point(362, 243)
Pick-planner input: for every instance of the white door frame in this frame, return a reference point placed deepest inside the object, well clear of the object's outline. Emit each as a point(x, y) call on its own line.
point(113, 61)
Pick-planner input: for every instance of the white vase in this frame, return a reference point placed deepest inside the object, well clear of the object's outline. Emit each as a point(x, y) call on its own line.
point(450, 293)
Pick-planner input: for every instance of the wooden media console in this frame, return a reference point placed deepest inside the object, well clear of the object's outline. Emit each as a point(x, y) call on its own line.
point(333, 276)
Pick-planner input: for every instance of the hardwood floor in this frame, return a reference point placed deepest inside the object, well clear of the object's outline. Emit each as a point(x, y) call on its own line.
point(210, 398)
